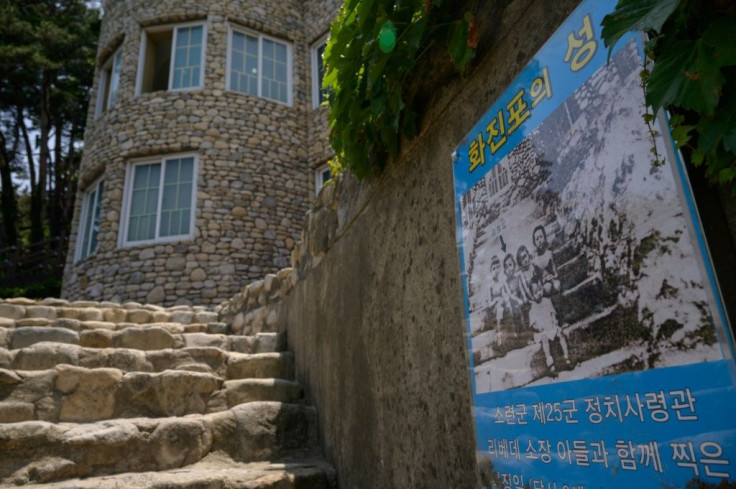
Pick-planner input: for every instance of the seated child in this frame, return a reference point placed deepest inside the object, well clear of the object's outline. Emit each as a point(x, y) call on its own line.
point(543, 320)
point(499, 296)
point(518, 294)
point(545, 271)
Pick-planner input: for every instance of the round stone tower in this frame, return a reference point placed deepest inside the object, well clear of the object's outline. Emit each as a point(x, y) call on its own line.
point(204, 139)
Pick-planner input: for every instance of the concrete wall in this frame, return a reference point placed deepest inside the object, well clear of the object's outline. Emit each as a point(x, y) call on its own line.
point(375, 318)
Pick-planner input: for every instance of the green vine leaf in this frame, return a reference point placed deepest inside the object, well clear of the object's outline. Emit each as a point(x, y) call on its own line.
point(686, 74)
point(370, 61)
point(711, 129)
point(721, 34)
point(692, 48)
point(635, 15)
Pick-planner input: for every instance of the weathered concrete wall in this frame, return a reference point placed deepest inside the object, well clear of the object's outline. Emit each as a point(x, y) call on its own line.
point(375, 318)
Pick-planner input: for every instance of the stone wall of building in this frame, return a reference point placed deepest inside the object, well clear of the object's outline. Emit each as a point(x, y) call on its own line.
point(318, 18)
point(254, 180)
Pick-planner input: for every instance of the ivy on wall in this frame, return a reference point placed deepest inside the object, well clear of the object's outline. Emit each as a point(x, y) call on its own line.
point(375, 45)
point(692, 48)
point(373, 50)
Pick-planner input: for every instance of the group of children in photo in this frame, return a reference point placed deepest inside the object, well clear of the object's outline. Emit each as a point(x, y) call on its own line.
point(521, 304)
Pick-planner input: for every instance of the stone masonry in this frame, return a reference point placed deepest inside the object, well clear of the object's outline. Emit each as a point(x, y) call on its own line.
point(255, 156)
point(108, 395)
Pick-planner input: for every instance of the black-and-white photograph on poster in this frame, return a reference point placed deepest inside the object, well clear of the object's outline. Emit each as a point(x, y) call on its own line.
point(579, 262)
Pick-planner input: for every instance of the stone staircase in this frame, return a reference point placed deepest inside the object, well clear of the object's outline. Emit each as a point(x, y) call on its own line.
point(124, 395)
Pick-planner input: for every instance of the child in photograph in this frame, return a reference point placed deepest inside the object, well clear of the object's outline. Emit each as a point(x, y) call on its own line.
point(499, 296)
point(545, 271)
point(526, 271)
point(543, 320)
point(518, 294)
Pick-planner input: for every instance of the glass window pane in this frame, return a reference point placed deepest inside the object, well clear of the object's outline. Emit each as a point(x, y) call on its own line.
point(138, 204)
point(237, 63)
point(165, 224)
point(268, 49)
point(169, 199)
point(182, 37)
point(171, 175)
point(186, 169)
point(180, 60)
point(252, 46)
point(177, 205)
point(140, 176)
point(196, 35)
point(133, 229)
point(281, 72)
point(185, 222)
point(195, 57)
point(187, 57)
point(154, 175)
point(151, 229)
point(238, 42)
point(280, 52)
point(115, 78)
point(251, 65)
point(151, 200)
point(97, 218)
point(86, 230)
point(144, 202)
point(185, 196)
point(175, 223)
point(268, 70)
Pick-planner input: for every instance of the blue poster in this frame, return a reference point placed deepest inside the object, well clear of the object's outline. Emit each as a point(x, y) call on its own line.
point(600, 355)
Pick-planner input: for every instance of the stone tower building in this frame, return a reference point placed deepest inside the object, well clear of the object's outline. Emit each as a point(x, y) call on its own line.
point(205, 142)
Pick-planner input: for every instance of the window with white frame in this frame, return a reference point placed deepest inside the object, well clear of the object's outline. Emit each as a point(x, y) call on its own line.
point(319, 94)
point(321, 176)
point(89, 221)
point(172, 58)
point(109, 82)
point(159, 200)
point(259, 65)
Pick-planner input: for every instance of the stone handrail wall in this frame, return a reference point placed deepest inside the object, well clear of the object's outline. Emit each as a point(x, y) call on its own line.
point(255, 308)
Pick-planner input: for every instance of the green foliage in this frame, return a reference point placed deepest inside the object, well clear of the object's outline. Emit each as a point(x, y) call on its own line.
point(692, 45)
point(51, 287)
point(370, 58)
point(47, 58)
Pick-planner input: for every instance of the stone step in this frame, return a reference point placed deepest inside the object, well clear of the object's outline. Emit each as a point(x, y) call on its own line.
point(43, 356)
point(232, 365)
point(131, 312)
point(78, 394)
point(146, 338)
point(573, 271)
point(78, 325)
point(586, 298)
point(43, 452)
point(565, 253)
point(220, 474)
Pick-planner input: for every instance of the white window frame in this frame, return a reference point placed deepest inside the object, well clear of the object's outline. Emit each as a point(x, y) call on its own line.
point(175, 29)
point(316, 83)
point(289, 63)
point(128, 192)
point(104, 94)
point(319, 180)
point(91, 193)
